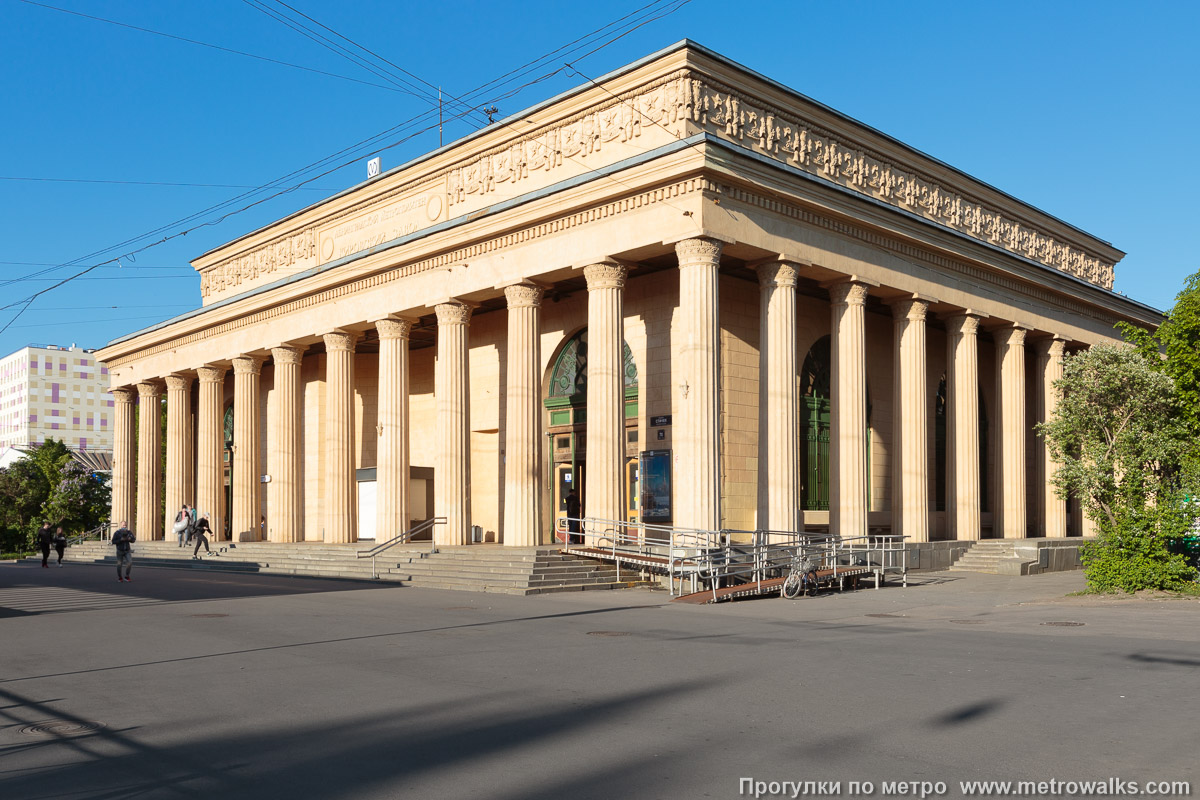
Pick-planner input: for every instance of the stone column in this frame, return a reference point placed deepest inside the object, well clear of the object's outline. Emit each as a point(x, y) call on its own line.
point(341, 506)
point(210, 469)
point(1052, 510)
point(452, 399)
point(247, 449)
point(779, 398)
point(124, 462)
point(1010, 368)
point(523, 416)
point(910, 423)
point(285, 519)
point(699, 431)
point(962, 427)
point(179, 410)
point(848, 401)
point(149, 508)
point(604, 495)
point(393, 514)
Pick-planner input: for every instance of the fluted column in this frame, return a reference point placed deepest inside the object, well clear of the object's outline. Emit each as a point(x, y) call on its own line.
point(393, 510)
point(247, 449)
point(179, 410)
point(1010, 367)
point(698, 432)
point(779, 398)
point(962, 427)
point(848, 426)
point(209, 448)
point(149, 504)
point(284, 517)
point(452, 399)
point(1052, 509)
point(910, 423)
point(604, 495)
point(341, 507)
point(523, 439)
point(124, 462)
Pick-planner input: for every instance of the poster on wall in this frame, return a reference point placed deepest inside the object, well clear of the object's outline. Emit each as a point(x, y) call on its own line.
point(656, 485)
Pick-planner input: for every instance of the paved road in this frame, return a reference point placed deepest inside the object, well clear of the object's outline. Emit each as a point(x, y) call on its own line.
point(231, 686)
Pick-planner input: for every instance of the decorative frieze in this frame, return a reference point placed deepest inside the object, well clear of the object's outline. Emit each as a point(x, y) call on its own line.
point(291, 253)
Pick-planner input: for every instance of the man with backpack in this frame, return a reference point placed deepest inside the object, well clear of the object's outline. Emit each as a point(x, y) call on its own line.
point(123, 540)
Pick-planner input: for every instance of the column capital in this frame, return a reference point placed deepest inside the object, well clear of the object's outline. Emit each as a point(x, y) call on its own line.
point(394, 327)
point(608, 275)
point(247, 365)
point(287, 354)
point(965, 323)
point(211, 374)
point(1011, 336)
point(778, 274)
point(523, 295)
point(150, 389)
point(698, 251)
point(910, 308)
point(342, 341)
point(178, 383)
point(1054, 346)
point(848, 293)
point(123, 395)
point(453, 313)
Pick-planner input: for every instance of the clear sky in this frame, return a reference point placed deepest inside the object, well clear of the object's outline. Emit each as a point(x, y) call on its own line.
point(111, 135)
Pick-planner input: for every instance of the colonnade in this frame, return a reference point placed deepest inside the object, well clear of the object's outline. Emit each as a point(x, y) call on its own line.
point(697, 433)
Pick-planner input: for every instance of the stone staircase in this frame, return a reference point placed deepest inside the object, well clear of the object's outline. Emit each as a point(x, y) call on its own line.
point(507, 570)
point(985, 556)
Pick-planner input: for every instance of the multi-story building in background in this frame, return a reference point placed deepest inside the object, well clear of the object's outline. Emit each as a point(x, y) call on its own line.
point(49, 391)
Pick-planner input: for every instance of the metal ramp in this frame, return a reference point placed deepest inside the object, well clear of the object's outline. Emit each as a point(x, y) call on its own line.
point(728, 564)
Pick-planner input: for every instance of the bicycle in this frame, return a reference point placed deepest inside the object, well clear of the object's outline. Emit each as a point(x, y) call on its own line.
point(802, 577)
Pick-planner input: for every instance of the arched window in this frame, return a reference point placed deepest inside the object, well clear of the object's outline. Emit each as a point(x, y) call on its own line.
point(566, 399)
point(814, 412)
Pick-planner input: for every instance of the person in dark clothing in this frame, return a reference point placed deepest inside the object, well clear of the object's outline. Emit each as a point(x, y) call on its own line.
point(573, 512)
point(45, 538)
point(202, 527)
point(123, 540)
point(60, 544)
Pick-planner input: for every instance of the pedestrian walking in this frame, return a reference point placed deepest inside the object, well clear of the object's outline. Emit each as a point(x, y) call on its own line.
point(60, 544)
point(123, 540)
point(45, 538)
point(202, 527)
point(180, 527)
point(574, 511)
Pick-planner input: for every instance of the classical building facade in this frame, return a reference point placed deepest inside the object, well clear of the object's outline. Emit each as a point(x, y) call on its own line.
point(683, 291)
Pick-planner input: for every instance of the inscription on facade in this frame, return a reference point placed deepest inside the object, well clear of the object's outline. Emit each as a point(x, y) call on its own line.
point(380, 224)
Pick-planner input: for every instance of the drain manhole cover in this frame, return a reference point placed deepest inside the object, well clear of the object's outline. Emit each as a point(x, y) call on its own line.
point(967, 621)
point(209, 616)
point(1065, 624)
point(608, 633)
point(61, 727)
point(887, 616)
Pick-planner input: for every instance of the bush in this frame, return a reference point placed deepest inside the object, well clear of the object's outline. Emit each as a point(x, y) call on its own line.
point(1143, 549)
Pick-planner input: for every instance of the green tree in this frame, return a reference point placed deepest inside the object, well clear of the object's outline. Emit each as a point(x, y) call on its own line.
point(1122, 445)
point(23, 490)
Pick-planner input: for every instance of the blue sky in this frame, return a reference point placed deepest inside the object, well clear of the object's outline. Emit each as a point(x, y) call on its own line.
point(1086, 111)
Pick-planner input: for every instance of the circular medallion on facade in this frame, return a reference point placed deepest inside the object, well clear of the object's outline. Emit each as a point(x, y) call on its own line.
point(327, 249)
point(434, 207)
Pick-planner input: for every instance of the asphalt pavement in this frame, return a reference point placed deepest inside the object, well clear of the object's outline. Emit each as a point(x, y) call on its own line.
point(182, 684)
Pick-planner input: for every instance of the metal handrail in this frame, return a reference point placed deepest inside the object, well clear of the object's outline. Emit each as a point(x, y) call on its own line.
point(401, 539)
point(102, 531)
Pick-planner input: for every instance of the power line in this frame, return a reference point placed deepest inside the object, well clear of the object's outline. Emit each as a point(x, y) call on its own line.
point(506, 78)
point(206, 44)
point(145, 183)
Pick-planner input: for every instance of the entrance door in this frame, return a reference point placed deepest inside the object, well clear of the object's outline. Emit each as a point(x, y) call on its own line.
point(567, 477)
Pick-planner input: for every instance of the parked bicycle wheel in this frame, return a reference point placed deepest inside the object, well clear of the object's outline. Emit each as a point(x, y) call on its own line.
point(792, 586)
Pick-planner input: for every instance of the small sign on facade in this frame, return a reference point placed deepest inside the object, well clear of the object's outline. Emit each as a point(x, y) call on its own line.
point(660, 422)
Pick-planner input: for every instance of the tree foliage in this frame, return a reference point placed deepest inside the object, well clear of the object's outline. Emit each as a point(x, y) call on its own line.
point(48, 485)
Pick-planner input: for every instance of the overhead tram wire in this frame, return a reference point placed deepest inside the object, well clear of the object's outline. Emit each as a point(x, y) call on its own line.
point(519, 72)
point(207, 44)
point(142, 183)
